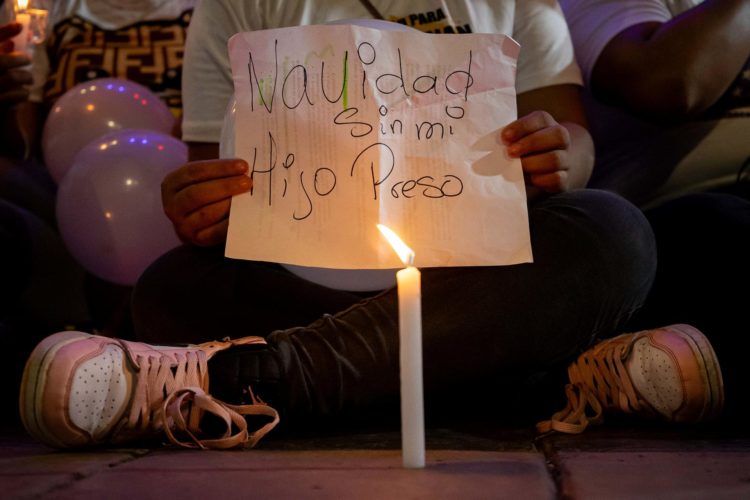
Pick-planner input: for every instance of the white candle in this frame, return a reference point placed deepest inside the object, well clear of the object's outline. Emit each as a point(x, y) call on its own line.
point(410, 354)
point(33, 27)
point(410, 336)
point(21, 40)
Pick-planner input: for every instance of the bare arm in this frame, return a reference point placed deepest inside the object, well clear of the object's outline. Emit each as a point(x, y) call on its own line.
point(17, 115)
point(202, 151)
point(678, 68)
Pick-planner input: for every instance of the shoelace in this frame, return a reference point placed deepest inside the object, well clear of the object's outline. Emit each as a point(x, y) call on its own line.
point(599, 380)
point(173, 399)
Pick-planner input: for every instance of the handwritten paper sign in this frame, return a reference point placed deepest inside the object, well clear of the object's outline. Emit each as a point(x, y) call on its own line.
point(345, 127)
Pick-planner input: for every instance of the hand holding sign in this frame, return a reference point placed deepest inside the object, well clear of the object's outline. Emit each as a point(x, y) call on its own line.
point(344, 127)
point(196, 198)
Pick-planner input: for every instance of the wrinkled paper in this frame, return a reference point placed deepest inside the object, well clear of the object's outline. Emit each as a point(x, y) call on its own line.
point(345, 127)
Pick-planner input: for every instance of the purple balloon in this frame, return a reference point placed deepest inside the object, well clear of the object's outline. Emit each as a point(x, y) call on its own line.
point(94, 108)
point(109, 208)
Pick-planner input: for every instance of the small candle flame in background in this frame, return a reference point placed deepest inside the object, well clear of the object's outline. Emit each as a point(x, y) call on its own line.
point(405, 253)
point(34, 23)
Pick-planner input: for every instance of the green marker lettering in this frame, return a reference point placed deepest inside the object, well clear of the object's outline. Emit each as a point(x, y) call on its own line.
point(260, 92)
point(346, 80)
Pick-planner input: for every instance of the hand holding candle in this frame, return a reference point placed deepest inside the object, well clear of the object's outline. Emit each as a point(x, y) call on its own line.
point(34, 26)
point(410, 337)
point(20, 41)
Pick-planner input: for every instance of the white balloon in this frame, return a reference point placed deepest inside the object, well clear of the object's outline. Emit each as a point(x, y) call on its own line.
point(109, 207)
point(94, 108)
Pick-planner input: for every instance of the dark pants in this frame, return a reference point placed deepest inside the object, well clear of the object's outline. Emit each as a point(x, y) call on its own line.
point(41, 291)
point(703, 247)
point(594, 262)
point(42, 286)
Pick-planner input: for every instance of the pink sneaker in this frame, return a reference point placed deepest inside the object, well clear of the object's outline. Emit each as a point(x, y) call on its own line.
point(669, 372)
point(81, 390)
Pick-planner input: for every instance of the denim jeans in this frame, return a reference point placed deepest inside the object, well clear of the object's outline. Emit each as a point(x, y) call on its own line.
point(594, 263)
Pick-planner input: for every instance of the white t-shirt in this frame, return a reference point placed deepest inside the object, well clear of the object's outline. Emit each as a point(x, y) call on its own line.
point(645, 162)
point(538, 25)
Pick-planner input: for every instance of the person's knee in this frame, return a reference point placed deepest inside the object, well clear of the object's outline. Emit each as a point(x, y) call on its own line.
point(626, 231)
point(164, 286)
point(604, 231)
point(605, 218)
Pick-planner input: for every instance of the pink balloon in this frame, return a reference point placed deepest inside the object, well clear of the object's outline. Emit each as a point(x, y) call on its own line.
point(94, 108)
point(109, 207)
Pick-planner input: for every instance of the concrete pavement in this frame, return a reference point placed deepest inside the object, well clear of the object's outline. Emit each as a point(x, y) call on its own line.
point(608, 462)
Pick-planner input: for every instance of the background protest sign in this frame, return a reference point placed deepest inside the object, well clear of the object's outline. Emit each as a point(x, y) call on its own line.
point(345, 127)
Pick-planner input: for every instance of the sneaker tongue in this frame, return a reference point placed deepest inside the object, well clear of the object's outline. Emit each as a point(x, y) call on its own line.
point(655, 377)
point(100, 391)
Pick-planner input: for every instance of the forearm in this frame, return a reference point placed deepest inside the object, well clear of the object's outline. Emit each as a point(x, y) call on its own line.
point(202, 151)
point(563, 103)
point(21, 124)
point(678, 68)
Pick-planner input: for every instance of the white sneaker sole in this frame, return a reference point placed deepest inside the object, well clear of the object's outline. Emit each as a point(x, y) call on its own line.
point(34, 381)
point(714, 383)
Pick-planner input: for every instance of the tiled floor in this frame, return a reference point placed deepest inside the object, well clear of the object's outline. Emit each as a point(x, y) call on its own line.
point(604, 463)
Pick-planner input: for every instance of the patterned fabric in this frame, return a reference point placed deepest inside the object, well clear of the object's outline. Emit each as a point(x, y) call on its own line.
point(147, 52)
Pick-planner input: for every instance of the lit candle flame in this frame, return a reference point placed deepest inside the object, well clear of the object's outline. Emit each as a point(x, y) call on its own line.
point(22, 5)
point(405, 253)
